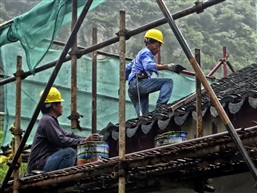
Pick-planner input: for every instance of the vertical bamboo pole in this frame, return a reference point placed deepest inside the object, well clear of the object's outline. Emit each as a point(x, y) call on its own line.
point(122, 107)
point(74, 67)
point(224, 51)
point(208, 88)
point(94, 82)
point(199, 119)
point(17, 134)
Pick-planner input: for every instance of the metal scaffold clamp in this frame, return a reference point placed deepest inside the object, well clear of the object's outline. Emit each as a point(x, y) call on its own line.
point(20, 73)
point(125, 33)
point(15, 131)
point(199, 6)
point(76, 117)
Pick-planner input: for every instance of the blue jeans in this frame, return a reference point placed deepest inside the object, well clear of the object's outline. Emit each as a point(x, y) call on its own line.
point(147, 86)
point(61, 159)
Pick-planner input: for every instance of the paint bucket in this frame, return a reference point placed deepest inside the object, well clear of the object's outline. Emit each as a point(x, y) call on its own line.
point(170, 137)
point(91, 151)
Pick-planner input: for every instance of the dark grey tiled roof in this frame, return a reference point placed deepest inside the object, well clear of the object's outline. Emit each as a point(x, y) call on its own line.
point(233, 89)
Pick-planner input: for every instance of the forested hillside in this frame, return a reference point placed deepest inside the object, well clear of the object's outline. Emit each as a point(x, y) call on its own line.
point(230, 23)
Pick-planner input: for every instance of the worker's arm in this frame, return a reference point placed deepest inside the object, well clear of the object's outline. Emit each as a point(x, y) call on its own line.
point(162, 66)
point(171, 67)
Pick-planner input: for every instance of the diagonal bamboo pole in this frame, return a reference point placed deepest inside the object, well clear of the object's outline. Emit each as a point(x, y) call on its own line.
point(43, 97)
point(208, 88)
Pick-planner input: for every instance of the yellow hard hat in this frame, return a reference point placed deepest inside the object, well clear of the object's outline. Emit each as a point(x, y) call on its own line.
point(154, 34)
point(53, 96)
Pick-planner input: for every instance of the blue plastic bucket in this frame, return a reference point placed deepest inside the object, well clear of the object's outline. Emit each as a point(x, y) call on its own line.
point(92, 151)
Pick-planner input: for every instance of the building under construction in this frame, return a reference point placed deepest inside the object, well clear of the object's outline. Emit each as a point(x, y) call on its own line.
point(219, 121)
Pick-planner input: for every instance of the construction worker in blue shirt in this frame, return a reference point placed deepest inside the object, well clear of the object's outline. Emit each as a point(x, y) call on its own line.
point(140, 70)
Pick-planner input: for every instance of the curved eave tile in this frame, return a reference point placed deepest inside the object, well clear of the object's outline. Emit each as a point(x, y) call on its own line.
point(179, 120)
point(163, 124)
point(131, 131)
point(253, 102)
point(235, 107)
point(146, 128)
point(115, 135)
point(213, 110)
point(194, 114)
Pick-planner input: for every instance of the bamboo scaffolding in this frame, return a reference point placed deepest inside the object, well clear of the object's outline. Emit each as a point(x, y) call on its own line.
point(198, 8)
point(63, 59)
point(208, 88)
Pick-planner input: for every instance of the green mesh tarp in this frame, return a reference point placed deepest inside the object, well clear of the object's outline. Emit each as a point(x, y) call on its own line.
point(42, 23)
point(107, 91)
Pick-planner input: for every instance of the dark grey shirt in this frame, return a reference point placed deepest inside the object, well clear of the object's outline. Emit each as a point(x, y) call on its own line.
point(49, 138)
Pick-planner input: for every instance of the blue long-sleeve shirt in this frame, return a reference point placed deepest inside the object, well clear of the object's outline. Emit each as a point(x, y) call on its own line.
point(143, 63)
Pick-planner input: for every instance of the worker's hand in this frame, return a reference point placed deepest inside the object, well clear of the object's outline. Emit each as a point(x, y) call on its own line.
point(175, 68)
point(93, 137)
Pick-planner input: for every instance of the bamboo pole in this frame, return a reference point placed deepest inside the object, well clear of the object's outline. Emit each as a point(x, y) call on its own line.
point(94, 82)
point(208, 88)
point(74, 67)
point(199, 119)
point(59, 43)
point(6, 23)
point(122, 105)
point(17, 130)
point(224, 51)
point(46, 90)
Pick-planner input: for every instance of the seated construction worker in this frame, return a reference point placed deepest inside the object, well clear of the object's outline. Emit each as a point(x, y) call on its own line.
point(140, 70)
point(54, 148)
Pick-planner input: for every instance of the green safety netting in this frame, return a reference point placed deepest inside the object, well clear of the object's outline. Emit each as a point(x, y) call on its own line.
point(107, 90)
point(42, 23)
